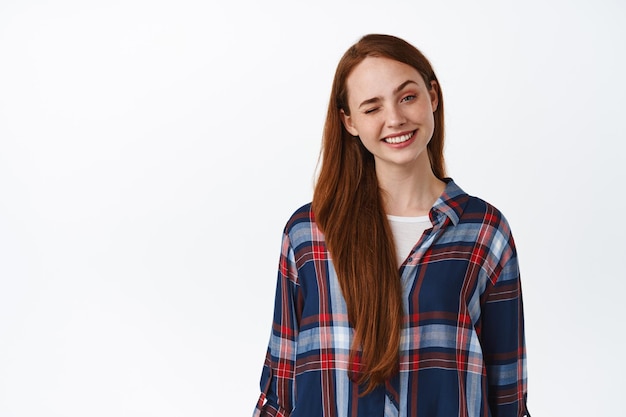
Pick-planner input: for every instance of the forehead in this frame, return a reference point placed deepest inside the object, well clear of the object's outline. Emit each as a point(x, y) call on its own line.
point(378, 76)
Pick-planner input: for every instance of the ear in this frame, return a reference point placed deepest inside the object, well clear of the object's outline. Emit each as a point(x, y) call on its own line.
point(347, 123)
point(434, 95)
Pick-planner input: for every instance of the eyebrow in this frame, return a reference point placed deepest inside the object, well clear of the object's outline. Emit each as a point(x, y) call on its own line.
point(395, 91)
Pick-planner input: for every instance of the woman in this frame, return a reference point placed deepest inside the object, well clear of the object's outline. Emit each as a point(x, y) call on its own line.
point(398, 294)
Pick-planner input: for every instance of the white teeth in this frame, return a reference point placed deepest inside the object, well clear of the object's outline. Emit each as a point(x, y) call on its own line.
point(399, 139)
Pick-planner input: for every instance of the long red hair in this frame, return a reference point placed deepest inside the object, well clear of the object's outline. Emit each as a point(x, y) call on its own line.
point(348, 208)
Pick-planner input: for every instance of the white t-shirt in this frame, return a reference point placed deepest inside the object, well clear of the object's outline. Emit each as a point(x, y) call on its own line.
point(406, 232)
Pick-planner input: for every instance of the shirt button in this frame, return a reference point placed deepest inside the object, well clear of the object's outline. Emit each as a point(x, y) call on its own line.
point(411, 259)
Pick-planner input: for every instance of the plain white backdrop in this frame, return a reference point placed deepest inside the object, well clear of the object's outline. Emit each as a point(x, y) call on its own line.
point(151, 152)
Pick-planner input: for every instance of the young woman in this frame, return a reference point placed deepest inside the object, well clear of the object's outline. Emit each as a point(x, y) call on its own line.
point(398, 293)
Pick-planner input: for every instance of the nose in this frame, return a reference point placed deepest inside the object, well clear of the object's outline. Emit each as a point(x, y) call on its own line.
point(395, 117)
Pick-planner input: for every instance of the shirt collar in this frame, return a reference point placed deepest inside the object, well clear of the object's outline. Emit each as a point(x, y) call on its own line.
point(450, 203)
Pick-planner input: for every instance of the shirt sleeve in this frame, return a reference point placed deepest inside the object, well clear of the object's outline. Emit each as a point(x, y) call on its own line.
point(277, 378)
point(503, 342)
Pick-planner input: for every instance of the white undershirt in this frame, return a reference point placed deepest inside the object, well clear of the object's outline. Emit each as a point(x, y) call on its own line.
point(406, 232)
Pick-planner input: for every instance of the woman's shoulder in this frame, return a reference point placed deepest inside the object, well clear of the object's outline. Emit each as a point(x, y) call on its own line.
point(482, 210)
point(462, 206)
point(301, 226)
point(490, 228)
point(479, 205)
point(303, 214)
point(472, 211)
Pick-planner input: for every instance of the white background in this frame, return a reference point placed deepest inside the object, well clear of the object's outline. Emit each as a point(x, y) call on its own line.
point(151, 152)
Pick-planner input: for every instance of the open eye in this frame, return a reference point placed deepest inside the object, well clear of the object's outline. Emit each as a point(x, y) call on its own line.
point(408, 98)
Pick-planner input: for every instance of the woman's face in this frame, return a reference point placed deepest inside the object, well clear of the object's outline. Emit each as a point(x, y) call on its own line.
point(391, 111)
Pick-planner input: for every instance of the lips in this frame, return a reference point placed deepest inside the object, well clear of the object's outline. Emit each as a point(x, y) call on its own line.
point(394, 140)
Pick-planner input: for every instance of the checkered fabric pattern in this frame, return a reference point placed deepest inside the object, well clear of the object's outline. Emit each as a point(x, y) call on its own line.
point(462, 351)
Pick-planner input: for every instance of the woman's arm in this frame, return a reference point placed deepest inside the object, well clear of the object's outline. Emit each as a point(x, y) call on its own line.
point(502, 338)
point(277, 379)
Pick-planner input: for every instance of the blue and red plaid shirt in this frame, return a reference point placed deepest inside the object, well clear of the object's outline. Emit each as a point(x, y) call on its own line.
point(462, 351)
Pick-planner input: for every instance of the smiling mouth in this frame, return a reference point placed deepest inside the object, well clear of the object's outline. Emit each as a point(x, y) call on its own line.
point(399, 139)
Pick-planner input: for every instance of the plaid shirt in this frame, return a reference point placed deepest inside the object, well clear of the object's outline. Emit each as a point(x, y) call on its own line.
point(462, 351)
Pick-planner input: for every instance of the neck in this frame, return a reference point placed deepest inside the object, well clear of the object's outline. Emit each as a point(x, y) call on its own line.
point(409, 191)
